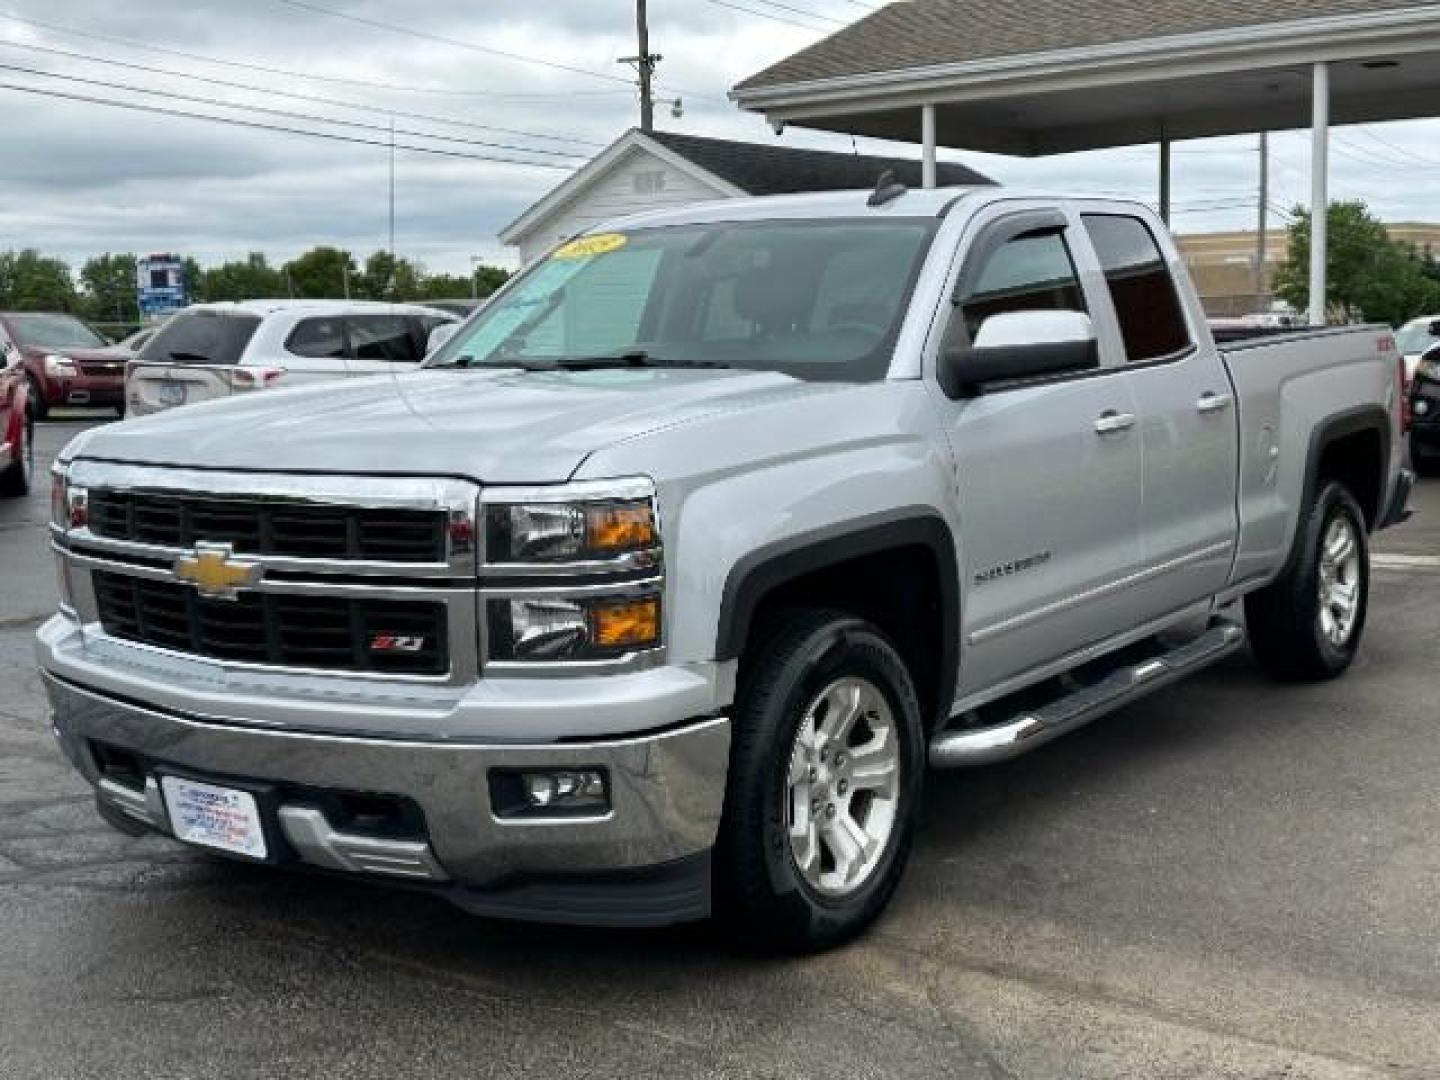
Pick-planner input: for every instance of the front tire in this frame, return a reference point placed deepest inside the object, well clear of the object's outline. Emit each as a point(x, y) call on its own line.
point(38, 408)
point(16, 481)
point(1307, 625)
point(826, 774)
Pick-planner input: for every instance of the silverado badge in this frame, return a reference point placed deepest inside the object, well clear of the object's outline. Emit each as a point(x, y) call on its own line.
point(216, 573)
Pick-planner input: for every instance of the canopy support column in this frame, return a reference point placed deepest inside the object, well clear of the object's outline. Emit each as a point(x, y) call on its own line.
point(928, 141)
point(1165, 175)
point(1320, 197)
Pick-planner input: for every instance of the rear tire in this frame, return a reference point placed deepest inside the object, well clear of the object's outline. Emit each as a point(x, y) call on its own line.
point(826, 772)
point(1307, 625)
point(16, 481)
point(38, 408)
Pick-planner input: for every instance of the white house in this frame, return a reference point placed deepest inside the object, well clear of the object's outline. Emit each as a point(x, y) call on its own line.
point(642, 172)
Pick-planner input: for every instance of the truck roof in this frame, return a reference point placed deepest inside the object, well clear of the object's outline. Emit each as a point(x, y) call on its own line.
point(934, 202)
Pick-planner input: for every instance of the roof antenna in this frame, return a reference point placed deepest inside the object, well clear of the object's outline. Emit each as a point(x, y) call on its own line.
point(887, 189)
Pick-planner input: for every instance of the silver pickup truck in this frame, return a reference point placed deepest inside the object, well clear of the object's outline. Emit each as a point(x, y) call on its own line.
point(659, 593)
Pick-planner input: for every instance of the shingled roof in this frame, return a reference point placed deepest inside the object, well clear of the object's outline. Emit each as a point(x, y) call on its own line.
point(761, 169)
point(924, 33)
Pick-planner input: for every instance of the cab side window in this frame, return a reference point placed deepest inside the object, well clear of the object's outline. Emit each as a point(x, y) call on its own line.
point(318, 339)
point(388, 338)
point(1030, 272)
point(1152, 321)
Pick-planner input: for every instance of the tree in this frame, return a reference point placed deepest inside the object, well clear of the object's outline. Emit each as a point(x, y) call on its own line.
point(252, 278)
point(30, 281)
point(322, 273)
point(109, 283)
point(1370, 276)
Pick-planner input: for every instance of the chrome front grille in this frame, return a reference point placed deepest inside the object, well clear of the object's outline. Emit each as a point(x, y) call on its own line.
point(374, 577)
point(315, 633)
point(263, 528)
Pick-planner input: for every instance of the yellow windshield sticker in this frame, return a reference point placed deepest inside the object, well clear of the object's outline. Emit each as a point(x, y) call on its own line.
point(587, 247)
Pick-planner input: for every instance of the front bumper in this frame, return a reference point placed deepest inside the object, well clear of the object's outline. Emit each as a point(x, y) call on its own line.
point(643, 862)
point(106, 391)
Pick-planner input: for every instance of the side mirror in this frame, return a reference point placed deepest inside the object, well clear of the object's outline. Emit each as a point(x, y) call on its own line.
point(439, 336)
point(1019, 345)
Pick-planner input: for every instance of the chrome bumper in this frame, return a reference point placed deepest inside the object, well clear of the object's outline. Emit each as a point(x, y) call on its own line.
point(666, 797)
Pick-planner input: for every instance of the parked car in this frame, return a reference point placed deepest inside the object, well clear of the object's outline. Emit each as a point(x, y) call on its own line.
point(211, 351)
point(1425, 409)
point(67, 361)
point(17, 425)
point(1416, 338)
point(654, 594)
point(461, 308)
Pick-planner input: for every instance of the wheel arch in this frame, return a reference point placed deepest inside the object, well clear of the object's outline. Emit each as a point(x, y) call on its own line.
point(1355, 448)
point(880, 543)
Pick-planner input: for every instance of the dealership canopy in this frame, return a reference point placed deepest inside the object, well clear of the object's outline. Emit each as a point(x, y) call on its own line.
point(1036, 77)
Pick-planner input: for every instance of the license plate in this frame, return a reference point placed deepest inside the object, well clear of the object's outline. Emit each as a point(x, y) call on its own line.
point(172, 393)
point(214, 817)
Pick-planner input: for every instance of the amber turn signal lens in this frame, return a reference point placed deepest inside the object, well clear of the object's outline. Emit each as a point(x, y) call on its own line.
point(634, 624)
point(619, 528)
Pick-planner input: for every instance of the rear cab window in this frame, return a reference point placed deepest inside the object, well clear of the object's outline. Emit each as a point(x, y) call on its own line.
point(201, 336)
point(1147, 303)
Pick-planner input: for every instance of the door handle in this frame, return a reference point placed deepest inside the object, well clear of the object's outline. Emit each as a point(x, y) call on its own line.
point(1213, 403)
point(1113, 423)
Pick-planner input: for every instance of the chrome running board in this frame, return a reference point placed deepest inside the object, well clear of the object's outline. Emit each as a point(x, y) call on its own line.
point(960, 748)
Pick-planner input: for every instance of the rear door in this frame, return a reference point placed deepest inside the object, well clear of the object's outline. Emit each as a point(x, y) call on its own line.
point(316, 350)
point(1048, 473)
point(189, 359)
point(1188, 434)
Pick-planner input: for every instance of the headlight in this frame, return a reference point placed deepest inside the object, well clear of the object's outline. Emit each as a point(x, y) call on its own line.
point(69, 506)
point(60, 367)
point(556, 629)
point(583, 523)
point(1428, 369)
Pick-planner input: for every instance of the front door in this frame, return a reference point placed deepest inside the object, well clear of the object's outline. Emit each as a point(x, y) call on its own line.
point(1048, 474)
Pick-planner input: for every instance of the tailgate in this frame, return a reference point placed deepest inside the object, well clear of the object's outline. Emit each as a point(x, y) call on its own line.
point(152, 388)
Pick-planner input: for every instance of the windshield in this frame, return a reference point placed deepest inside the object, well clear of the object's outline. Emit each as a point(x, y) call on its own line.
point(55, 332)
point(815, 299)
point(201, 336)
point(1415, 337)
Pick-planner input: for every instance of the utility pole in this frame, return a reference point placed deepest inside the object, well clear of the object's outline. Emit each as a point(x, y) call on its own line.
point(1262, 239)
point(644, 64)
point(392, 191)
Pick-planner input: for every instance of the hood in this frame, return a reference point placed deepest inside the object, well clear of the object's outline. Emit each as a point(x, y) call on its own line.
point(106, 353)
point(496, 427)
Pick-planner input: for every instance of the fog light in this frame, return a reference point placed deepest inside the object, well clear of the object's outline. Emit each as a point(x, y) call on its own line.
point(582, 789)
point(550, 793)
point(1422, 407)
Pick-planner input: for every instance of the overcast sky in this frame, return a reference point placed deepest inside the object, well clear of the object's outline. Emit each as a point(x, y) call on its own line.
point(78, 177)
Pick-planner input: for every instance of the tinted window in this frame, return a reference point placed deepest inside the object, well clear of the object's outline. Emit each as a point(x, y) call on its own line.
point(1032, 272)
point(382, 337)
point(1151, 319)
point(55, 332)
point(813, 299)
point(319, 339)
point(201, 336)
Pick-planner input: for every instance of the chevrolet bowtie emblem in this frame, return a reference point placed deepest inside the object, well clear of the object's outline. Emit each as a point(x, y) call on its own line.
point(216, 572)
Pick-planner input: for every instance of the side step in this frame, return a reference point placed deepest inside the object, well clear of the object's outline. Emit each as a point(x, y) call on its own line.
point(967, 747)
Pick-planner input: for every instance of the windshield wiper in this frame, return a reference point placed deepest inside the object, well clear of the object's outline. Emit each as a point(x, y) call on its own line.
point(468, 363)
point(633, 358)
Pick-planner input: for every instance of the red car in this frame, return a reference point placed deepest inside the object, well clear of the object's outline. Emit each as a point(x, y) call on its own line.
point(66, 362)
point(17, 427)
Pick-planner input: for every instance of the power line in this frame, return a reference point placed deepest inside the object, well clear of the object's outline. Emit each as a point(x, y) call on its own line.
point(1408, 154)
point(425, 35)
point(800, 11)
point(288, 114)
point(130, 43)
point(763, 15)
point(162, 110)
point(315, 99)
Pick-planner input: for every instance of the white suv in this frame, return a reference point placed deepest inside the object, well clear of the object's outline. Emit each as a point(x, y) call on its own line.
point(214, 350)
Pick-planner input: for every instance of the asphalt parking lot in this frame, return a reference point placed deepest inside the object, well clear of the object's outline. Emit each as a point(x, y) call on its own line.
point(1231, 879)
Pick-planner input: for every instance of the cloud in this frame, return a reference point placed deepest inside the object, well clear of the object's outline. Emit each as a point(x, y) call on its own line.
point(79, 178)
